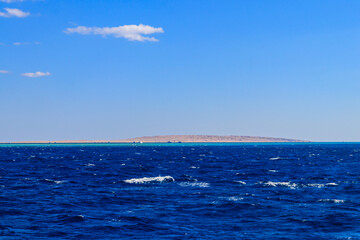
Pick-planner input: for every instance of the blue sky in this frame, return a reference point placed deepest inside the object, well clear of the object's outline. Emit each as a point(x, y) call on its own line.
point(116, 69)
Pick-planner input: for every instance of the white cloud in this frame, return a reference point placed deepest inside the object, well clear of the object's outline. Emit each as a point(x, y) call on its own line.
point(11, 1)
point(20, 43)
point(14, 12)
point(4, 71)
point(14, 1)
point(25, 43)
point(36, 74)
point(130, 32)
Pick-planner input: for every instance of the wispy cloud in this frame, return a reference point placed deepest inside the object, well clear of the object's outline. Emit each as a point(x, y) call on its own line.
point(14, 1)
point(14, 12)
point(11, 1)
point(130, 32)
point(4, 71)
point(36, 74)
point(20, 43)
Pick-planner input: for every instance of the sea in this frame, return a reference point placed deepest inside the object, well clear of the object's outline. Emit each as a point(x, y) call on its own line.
point(180, 191)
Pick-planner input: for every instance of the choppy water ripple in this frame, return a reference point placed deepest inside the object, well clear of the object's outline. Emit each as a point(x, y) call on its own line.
point(243, 191)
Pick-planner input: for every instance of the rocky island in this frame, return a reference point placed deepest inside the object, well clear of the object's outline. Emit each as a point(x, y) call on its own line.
point(178, 138)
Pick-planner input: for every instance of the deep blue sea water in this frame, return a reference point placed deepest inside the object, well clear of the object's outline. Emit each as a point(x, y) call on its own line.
point(180, 191)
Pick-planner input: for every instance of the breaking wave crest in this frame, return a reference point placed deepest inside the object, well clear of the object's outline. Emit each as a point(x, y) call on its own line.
point(194, 184)
point(283, 184)
point(235, 199)
point(150, 179)
point(53, 181)
point(332, 200)
point(241, 182)
point(295, 185)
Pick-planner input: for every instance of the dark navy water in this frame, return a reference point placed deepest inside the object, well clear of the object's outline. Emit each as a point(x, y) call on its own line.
point(180, 191)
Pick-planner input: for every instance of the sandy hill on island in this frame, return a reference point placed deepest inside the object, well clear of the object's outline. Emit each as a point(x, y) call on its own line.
point(178, 138)
point(208, 138)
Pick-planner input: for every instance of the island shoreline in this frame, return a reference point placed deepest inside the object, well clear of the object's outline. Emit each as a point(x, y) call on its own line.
point(173, 139)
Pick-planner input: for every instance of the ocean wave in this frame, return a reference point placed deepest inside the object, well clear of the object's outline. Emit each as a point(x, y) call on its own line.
point(150, 179)
point(241, 182)
point(274, 158)
point(282, 184)
point(71, 219)
point(321, 185)
point(331, 184)
point(235, 199)
point(332, 200)
point(316, 185)
point(194, 184)
point(53, 181)
point(295, 185)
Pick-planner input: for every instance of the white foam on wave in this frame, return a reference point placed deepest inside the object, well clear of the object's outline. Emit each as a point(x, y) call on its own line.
point(235, 199)
point(57, 182)
point(282, 184)
point(321, 185)
point(194, 184)
point(294, 185)
point(273, 170)
point(332, 184)
point(241, 182)
point(317, 185)
point(274, 158)
point(150, 179)
point(332, 200)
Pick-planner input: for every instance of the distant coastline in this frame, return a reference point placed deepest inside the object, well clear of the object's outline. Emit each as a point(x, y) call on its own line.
point(178, 138)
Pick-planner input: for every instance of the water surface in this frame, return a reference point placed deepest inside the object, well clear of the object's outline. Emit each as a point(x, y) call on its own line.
point(180, 191)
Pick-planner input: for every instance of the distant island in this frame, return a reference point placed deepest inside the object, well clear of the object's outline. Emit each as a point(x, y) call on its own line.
point(177, 139)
